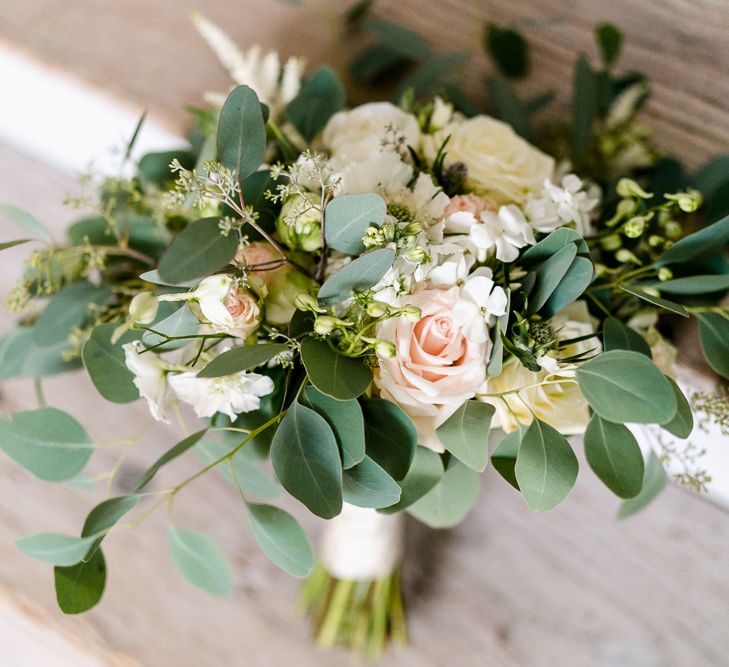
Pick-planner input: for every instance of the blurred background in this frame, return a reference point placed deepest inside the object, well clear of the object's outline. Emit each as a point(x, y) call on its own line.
point(506, 587)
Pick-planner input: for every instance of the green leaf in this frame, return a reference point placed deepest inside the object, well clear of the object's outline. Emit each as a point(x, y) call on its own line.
point(450, 500)
point(549, 274)
point(610, 40)
point(654, 480)
point(105, 515)
point(25, 221)
point(197, 251)
point(508, 49)
point(656, 301)
point(155, 167)
point(624, 386)
point(368, 485)
point(360, 274)
point(306, 460)
point(504, 456)
point(431, 75)
point(551, 244)
point(55, 549)
point(465, 433)
point(683, 423)
point(347, 219)
point(21, 357)
point(182, 324)
point(390, 436)
point(154, 278)
point(67, 309)
point(241, 133)
point(546, 467)
point(400, 40)
point(496, 361)
point(242, 358)
point(619, 336)
point(507, 105)
point(281, 538)
point(11, 244)
point(48, 442)
point(575, 282)
point(170, 455)
point(105, 365)
point(712, 176)
point(333, 374)
point(584, 108)
point(319, 99)
point(700, 245)
point(80, 587)
point(614, 456)
point(425, 472)
point(694, 284)
point(714, 337)
point(201, 561)
point(346, 421)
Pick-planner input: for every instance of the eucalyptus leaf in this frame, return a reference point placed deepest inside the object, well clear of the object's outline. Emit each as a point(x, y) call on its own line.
point(21, 357)
point(170, 455)
point(549, 274)
point(694, 284)
point(504, 456)
point(180, 326)
point(306, 460)
point(348, 217)
point(554, 242)
point(700, 245)
point(610, 41)
point(507, 105)
point(573, 284)
point(242, 358)
point(80, 587)
point(333, 374)
point(714, 338)
point(201, 561)
point(654, 481)
point(320, 97)
point(584, 108)
point(405, 42)
point(425, 472)
point(465, 433)
point(368, 485)
point(624, 386)
point(154, 278)
point(683, 423)
point(390, 436)
point(614, 456)
point(360, 274)
point(546, 467)
point(25, 221)
point(105, 515)
point(104, 362)
point(656, 301)
point(11, 244)
point(496, 361)
point(48, 442)
point(55, 548)
point(619, 336)
point(281, 538)
point(508, 49)
point(155, 167)
point(241, 138)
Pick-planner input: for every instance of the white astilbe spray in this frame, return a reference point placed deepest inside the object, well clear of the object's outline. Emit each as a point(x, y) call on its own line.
point(275, 86)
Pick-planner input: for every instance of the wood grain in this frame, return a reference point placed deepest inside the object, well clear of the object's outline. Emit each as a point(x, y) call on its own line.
point(573, 588)
point(149, 52)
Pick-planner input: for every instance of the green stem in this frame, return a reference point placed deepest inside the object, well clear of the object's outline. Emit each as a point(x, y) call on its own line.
point(333, 618)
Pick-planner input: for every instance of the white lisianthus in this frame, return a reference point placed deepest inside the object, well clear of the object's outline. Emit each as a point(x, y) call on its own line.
point(354, 135)
point(229, 395)
point(225, 306)
point(559, 404)
point(501, 165)
point(149, 378)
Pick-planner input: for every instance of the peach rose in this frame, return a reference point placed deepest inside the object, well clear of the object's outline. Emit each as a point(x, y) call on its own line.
point(257, 253)
point(469, 203)
point(439, 363)
point(244, 310)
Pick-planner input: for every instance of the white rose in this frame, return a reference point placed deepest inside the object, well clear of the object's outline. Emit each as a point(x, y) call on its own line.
point(352, 136)
point(560, 405)
point(440, 361)
point(149, 378)
point(501, 165)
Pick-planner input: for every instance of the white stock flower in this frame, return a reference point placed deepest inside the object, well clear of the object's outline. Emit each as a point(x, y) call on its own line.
point(229, 395)
point(557, 206)
point(149, 378)
point(481, 303)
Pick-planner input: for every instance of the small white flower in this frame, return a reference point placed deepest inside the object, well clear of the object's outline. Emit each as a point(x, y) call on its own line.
point(557, 206)
point(506, 231)
point(230, 394)
point(480, 304)
point(149, 378)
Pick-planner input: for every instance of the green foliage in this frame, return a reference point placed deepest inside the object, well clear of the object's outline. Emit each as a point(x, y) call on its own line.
point(155, 167)
point(546, 467)
point(714, 337)
point(173, 331)
point(399, 40)
point(306, 460)
point(683, 423)
point(200, 249)
point(508, 49)
point(614, 456)
point(281, 538)
point(624, 386)
point(619, 336)
point(55, 549)
point(347, 218)
point(549, 275)
point(676, 308)
point(345, 419)
point(654, 481)
point(49, 443)
point(368, 485)
point(104, 362)
point(450, 500)
point(80, 587)
point(700, 284)
point(201, 561)
point(319, 99)
point(465, 433)
point(507, 105)
point(242, 358)
point(496, 361)
point(360, 274)
point(504, 456)
point(584, 109)
point(610, 42)
point(342, 378)
point(105, 515)
point(241, 139)
point(26, 222)
point(425, 472)
point(20, 356)
point(11, 244)
point(698, 246)
point(390, 436)
point(170, 455)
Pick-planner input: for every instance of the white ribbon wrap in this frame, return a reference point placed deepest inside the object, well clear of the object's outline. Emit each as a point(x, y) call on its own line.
point(361, 544)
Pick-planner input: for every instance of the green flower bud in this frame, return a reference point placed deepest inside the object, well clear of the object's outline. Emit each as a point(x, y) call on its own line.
point(664, 273)
point(627, 187)
point(385, 349)
point(624, 208)
point(299, 224)
point(654, 240)
point(672, 230)
point(688, 202)
point(325, 324)
point(411, 313)
point(377, 309)
point(624, 255)
point(306, 301)
point(611, 242)
point(634, 227)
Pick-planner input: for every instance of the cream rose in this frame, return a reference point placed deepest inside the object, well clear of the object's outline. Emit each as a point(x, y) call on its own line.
point(501, 165)
point(560, 405)
point(439, 362)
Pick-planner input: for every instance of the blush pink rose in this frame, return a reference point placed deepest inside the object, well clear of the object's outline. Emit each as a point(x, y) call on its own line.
point(437, 365)
point(469, 203)
point(244, 311)
point(257, 253)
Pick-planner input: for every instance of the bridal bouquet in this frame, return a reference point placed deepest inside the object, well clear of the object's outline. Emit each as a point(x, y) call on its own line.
point(361, 297)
